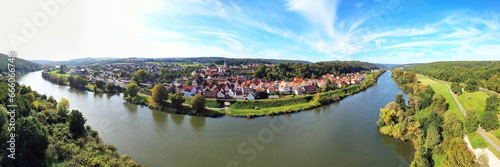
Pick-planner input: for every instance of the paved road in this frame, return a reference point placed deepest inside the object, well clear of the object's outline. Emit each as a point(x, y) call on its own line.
point(480, 131)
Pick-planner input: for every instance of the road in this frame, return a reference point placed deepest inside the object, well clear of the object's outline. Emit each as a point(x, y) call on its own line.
point(479, 130)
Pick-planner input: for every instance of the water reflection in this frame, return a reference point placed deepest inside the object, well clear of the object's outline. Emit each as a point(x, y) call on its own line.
point(177, 119)
point(197, 123)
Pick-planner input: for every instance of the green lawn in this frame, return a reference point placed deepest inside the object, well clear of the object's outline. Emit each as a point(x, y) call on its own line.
point(441, 89)
point(271, 110)
point(475, 100)
point(56, 72)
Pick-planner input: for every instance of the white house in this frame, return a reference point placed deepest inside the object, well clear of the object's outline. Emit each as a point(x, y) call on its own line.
point(250, 97)
point(283, 87)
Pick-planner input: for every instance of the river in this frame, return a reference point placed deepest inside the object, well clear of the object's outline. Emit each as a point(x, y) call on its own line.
point(340, 134)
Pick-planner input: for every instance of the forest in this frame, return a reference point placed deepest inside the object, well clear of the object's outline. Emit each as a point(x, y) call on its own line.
point(21, 64)
point(48, 133)
point(287, 71)
point(485, 73)
point(437, 135)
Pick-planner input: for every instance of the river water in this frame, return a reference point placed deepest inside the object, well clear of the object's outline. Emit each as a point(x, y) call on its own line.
point(340, 134)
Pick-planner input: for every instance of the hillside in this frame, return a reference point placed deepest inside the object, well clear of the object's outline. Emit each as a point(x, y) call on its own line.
point(487, 73)
point(21, 64)
point(215, 60)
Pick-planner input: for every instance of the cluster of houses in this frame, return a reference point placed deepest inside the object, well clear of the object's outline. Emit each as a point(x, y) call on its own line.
point(240, 88)
point(221, 86)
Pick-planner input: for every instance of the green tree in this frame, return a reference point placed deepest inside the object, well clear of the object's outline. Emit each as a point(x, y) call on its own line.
point(77, 123)
point(489, 121)
point(3, 116)
point(177, 99)
point(471, 85)
point(99, 84)
point(31, 143)
point(400, 100)
point(188, 83)
point(63, 107)
point(421, 158)
point(131, 90)
point(159, 94)
point(471, 120)
point(198, 103)
point(140, 76)
point(439, 104)
point(458, 154)
point(433, 137)
point(452, 126)
point(456, 88)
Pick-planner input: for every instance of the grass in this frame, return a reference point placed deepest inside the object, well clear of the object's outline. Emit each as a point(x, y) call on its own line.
point(477, 141)
point(153, 63)
point(440, 88)
point(56, 72)
point(272, 110)
point(475, 100)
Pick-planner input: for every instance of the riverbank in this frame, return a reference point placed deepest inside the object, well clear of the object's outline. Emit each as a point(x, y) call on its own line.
point(252, 108)
point(268, 107)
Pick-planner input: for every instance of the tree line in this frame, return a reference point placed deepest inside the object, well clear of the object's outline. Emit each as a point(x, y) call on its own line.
point(481, 73)
point(49, 133)
point(80, 82)
point(21, 64)
point(287, 71)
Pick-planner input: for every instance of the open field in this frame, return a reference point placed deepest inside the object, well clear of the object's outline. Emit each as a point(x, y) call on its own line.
point(441, 89)
point(56, 72)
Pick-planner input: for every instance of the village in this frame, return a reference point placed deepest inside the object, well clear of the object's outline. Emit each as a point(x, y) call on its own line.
point(214, 81)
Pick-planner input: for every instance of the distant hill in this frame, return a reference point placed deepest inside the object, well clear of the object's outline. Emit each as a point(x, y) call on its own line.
point(215, 60)
point(235, 61)
point(21, 65)
point(387, 65)
point(485, 73)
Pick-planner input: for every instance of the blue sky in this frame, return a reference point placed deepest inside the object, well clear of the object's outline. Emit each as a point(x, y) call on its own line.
point(379, 31)
point(397, 31)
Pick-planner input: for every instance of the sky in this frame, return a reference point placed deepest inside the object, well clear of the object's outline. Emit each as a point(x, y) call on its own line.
point(378, 31)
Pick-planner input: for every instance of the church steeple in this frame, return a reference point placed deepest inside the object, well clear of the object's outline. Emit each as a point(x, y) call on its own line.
point(225, 63)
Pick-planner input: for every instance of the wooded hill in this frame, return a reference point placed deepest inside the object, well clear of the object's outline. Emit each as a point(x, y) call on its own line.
point(215, 60)
point(486, 73)
point(21, 65)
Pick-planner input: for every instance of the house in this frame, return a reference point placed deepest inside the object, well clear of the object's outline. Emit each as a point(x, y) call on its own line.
point(283, 87)
point(221, 95)
point(239, 95)
point(271, 90)
point(274, 97)
point(300, 91)
point(250, 97)
point(210, 94)
point(189, 91)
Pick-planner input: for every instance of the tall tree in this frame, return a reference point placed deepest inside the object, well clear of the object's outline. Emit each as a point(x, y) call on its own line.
point(198, 103)
point(77, 123)
point(31, 143)
point(452, 126)
point(400, 100)
point(177, 99)
point(131, 90)
point(458, 154)
point(159, 94)
point(471, 120)
point(489, 121)
point(63, 107)
point(471, 85)
point(433, 138)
